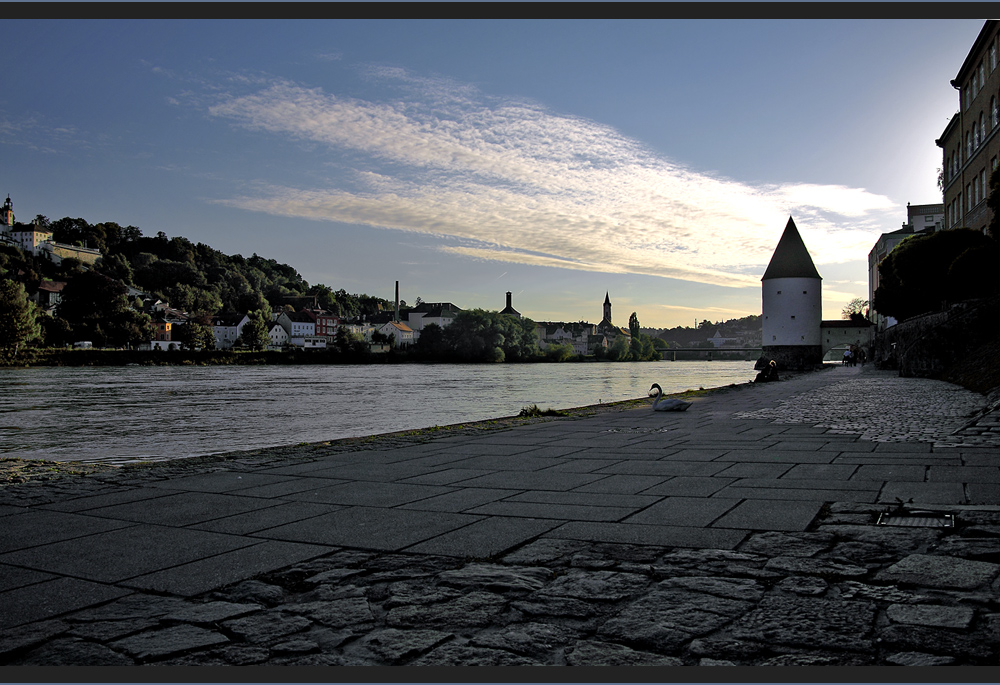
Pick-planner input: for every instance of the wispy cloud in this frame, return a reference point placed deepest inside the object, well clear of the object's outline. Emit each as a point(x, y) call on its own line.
point(526, 185)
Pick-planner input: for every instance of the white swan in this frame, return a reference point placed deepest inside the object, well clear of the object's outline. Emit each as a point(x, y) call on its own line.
point(662, 403)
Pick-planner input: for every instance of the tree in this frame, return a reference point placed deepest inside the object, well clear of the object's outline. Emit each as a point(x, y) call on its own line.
point(918, 276)
point(855, 308)
point(18, 316)
point(97, 308)
point(254, 333)
point(633, 325)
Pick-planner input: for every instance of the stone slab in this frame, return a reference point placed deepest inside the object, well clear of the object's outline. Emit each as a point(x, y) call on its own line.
point(183, 509)
point(532, 480)
point(934, 615)
point(640, 534)
point(587, 499)
point(690, 486)
point(820, 472)
point(684, 511)
point(370, 528)
point(119, 554)
point(458, 500)
point(573, 512)
point(940, 572)
point(774, 515)
point(35, 528)
point(963, 474)
point(223, 569)
point(890, 472)
point(923, 493)
point(12, 577)
point(774, 455)
point(119, 496)
point(797, 494)
point(622, 484)
point(487, 538)
point(52, 598)
point(370, 494)
point(755, 470)
point(262, 519)
point(219, 481)
point(666, 467)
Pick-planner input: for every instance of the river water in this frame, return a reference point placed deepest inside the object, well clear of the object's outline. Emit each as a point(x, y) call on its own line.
point(116, 414)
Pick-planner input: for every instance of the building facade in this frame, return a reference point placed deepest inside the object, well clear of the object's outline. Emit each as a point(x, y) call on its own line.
point(970, 142)
point(920, 219)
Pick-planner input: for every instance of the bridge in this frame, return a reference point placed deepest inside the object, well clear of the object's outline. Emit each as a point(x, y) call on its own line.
point(671, 353)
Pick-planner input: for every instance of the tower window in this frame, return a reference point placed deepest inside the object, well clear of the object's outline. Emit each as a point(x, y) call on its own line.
point(804, 292)
point(793, 316)
point(779, 292)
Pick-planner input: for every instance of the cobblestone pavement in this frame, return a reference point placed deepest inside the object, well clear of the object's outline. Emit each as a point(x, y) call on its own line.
point(880, 406)
point(741, 532)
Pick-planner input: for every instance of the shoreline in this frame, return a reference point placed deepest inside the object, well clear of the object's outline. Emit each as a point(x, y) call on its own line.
point(16, 470)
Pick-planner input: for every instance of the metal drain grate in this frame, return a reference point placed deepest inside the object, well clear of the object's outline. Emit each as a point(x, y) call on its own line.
point(917, 519)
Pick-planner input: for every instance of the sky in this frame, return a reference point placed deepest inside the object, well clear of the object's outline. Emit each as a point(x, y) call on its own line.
point(657, 161)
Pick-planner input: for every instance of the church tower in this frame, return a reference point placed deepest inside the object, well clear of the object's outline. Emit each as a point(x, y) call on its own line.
point(7, 213)
point(607, 307)
point(792, 304)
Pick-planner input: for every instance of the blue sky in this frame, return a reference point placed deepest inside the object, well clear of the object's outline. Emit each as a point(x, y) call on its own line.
point(657, 160)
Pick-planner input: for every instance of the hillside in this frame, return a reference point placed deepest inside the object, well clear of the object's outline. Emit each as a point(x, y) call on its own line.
point(194, 278)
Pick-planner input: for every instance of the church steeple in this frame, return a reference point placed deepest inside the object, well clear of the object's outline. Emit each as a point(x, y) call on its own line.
point(607, 307)
point(7, 213)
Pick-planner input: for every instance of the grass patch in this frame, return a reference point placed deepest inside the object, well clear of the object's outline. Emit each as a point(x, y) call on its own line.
point(534, 411)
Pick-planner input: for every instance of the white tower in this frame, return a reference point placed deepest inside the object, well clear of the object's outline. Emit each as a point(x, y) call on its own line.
point(792, 306)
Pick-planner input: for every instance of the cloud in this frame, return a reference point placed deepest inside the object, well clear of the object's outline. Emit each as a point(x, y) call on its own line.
point(530, 186)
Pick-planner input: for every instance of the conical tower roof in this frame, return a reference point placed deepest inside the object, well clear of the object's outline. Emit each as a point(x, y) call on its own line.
point(791, 258)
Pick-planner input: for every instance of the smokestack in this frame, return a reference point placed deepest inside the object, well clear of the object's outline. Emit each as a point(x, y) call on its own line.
point(397, 302)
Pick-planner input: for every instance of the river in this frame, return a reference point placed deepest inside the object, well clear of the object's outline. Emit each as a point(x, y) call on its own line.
point(117, 414)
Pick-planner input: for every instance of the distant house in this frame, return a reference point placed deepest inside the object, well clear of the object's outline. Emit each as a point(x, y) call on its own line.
point(49, 294)
point(161, 329)
point(278, 335)
point(227, 329)
point(299, 326)
point(580, 335)
point(400, 332)
point(440, 313)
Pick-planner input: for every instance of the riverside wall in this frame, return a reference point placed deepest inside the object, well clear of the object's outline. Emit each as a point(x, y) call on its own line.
point(928, 345)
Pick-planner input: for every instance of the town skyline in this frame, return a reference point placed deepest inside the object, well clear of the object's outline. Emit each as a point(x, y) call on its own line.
point(657, 161)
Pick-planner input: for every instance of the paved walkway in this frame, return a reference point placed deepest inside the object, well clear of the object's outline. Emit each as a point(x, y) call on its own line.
point(739, 532)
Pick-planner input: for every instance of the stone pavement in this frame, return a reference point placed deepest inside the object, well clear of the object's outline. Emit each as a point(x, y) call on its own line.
point(740, 532)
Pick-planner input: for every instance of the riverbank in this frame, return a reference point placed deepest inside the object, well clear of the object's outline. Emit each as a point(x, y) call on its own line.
point(738, 533)
point(15, 470)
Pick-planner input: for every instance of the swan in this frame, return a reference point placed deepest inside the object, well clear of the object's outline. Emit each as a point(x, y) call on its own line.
point(662, 403)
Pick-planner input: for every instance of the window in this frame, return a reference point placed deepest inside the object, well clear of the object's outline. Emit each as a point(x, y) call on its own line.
point(968, 146)
point(968, 194)
point(993, 57)
point(975, 137)
point(993, 112)
point(975, 193)
point(982, 182)
point(982, 76)
point(982, 127)
point(993, 164)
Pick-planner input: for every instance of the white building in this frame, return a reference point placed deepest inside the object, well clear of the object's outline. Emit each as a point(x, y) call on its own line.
point(227, 330)
point(440, 313)
point(400, 332)
point(278, 335)
point(792, 303)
